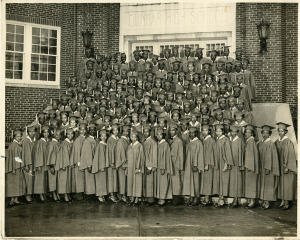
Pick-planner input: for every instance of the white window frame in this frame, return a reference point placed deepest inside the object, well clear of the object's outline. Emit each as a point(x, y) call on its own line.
point(156, 44)
point(26, 81)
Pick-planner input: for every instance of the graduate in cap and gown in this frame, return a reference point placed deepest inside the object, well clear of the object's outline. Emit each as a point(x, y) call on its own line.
point(135, 169)
point(270, 170)
point(164, 169)
point(252, 166)
point(86, 159)
point(210, 158)
point(194, 163)
point(14, 176)
point(75, 158)
point(100, 166)
point(112, 174)
point(177, 154)
point(225, 163)
point(288, 167)
point(28, 146)
point(40, 164)
point(52, 157)
point(150, 152)
point(121, 161)
point(236, 188)
point(63, 166)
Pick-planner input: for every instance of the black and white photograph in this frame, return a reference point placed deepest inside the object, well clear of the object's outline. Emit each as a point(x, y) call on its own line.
point(149, 119)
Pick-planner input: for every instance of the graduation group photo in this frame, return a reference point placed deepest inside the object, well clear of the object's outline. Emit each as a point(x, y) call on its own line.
point(149, 119)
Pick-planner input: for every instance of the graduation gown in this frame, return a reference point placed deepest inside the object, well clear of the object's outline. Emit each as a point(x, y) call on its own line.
point(177, 164)
point(53, 152)
point(252, 165)
point(135, 171)
point(236, 188)
point(164, 162)
point(194, 158)
point(40, 160)
point(269, 161)
point(210, 157)
point(150, 152)
point(249, 80)
point(121, 161)
point(63, 162)
point(100, 162)
point(112, 175)
point(75, 158)
point(28, 146)
point(87, 156)
point(14, 176)
point(287, 159)
point(224, 156)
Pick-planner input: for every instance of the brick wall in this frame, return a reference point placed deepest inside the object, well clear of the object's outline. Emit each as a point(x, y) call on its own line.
point(275, 73)
point(103, 19)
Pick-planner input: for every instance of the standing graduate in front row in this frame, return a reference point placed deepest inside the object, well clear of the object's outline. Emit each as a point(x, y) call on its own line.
point(288, 167)
point(236, 188)
point(135, 169)
point(252, 167)
point(270, 170)
point(194, 163)
point(164, 169)
point(14, 175)
point(225, 163)
point(63, 167)
point(178, 163)
point(40, 164)
point(28, 146)
point(210, 157)
point(100, 166)
point(150, 152)
point(52, 156)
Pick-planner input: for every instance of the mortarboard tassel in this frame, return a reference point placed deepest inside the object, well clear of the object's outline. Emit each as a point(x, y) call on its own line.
point(36, 117)
point(93, 93)
point(142, 129)
point(26, 131)
point(165, 102)
point(174, 97)
point(97, 134)
point(237, 101)
point(12, 134)
point(49, 122)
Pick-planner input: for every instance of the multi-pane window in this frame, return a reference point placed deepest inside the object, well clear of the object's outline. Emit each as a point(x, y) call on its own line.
point(43, 57)
point(14, 51)
point(219, 47)
point(150, 48)
point(181, 49)
point(32, 54)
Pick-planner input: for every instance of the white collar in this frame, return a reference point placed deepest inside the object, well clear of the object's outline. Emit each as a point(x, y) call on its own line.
point(67, 124)
point(221, 137)
point(114, 137)
point(249, 138)
point(194, 124)
point(175, 136)
point(92, 137)
point(133, 144)
point(208, 136)
point(236, 137)
point(193, 140)
point(280, 140)
point(17, 142)
point(54, 140)
point(148, 138)
point(242, 122)
point(136, 124)
point(124, 137)
point(103, 142)
point(68, 140)
point(161, 141)
point(43, 139)
point(267, 140)
point(185, 132)
point(30, 138)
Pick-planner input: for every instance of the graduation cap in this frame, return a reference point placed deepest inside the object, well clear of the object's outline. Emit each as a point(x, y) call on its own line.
point(199, 49)
point(226, 47)
point(218, 111)
point(282, 125)
point(91, 125)
point(133, 132)
point(136, 52)
point(231, 98)
point(187, 47)
point(45, 127)
point(227, 121)
point(160, 130)
point(250, 127)
point(220, 62)
point(222, 99)
point(267, 127)
point(205, 126)
point(69, 130)
point(193, 129)
point(152, 113)
point(237, 63)
point(205, 117)
point(115, 126)
point(167, 50)
point(155, 56)
point(176, 62)
point(234, 127)
point(173, 125)
point(162, 60)
point(103, 131)
point(207, 62)
point(186, 103)
point(246, 59)
point(219, 126)
point(191, 62)
point(126, 128)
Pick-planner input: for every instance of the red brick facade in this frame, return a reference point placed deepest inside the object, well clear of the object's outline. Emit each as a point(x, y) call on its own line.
point(275, 71)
